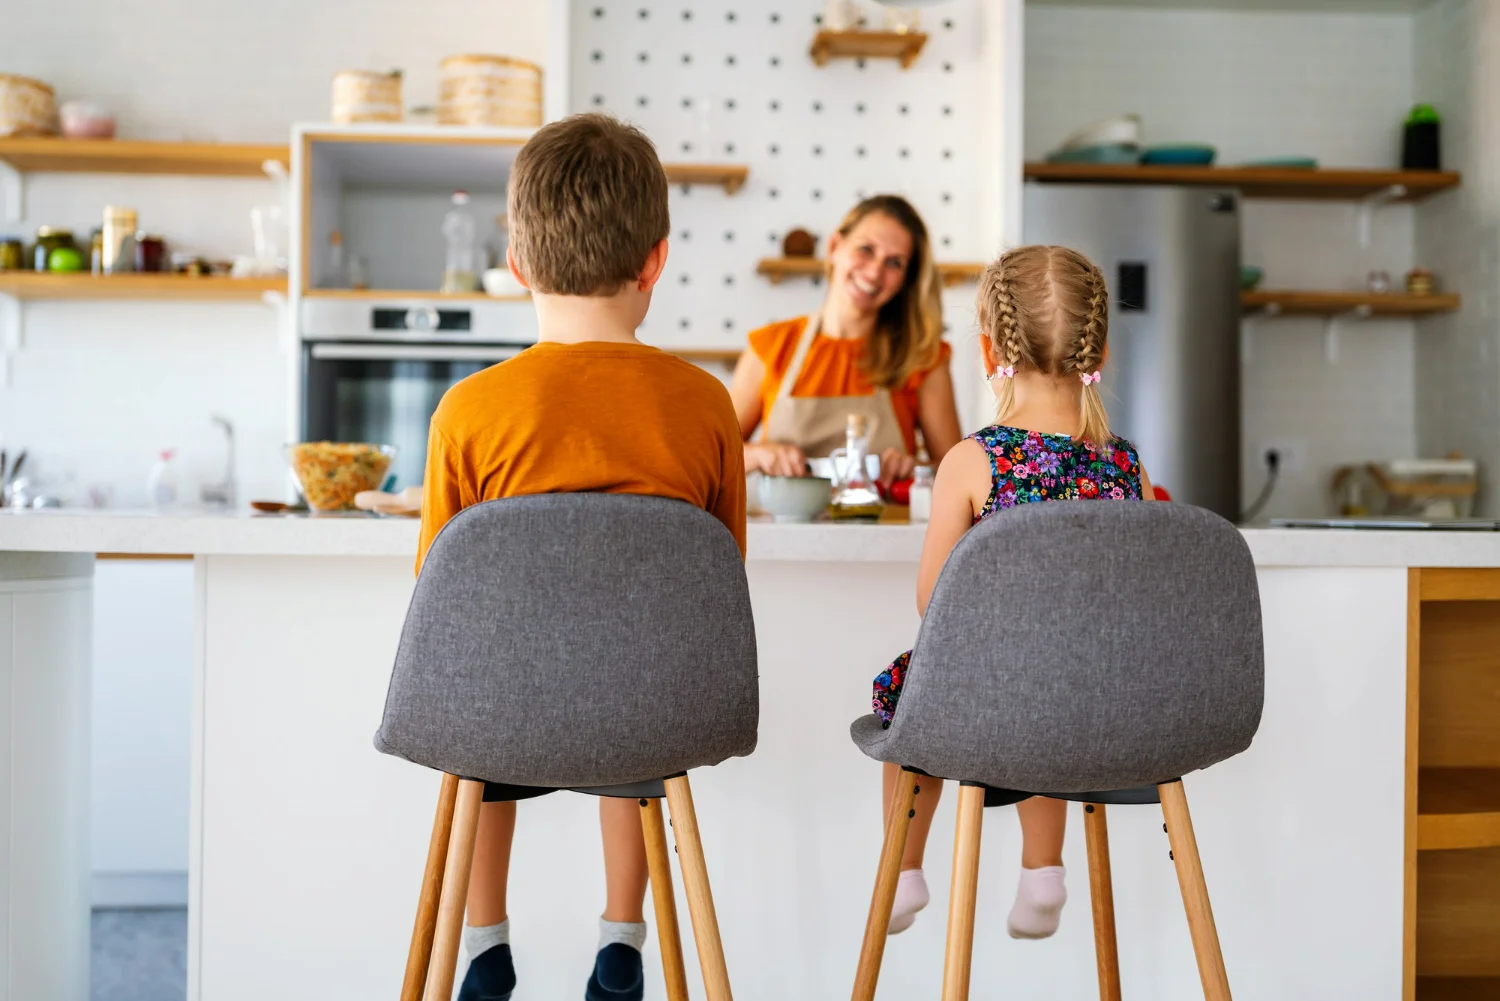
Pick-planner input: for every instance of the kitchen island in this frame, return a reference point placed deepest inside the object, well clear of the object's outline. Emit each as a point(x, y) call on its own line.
point(307, 845)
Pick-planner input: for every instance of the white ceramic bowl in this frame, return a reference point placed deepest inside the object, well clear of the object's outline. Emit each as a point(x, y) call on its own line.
point(794, 498)
point(1123, 130)
point(500, 282)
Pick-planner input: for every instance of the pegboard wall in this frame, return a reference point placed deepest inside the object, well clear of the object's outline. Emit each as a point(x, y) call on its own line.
point(731, 81)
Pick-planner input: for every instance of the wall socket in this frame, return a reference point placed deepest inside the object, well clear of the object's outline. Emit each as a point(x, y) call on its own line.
point(1289, 454)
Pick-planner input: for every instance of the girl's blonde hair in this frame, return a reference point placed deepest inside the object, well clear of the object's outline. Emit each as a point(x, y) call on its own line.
point(909, 331)
point(1046, 309)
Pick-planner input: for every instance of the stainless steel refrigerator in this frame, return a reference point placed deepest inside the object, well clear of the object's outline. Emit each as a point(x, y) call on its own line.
point(1171, 259)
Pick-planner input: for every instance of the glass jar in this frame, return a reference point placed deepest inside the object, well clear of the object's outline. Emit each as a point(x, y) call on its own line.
point(96, 250)
point(855, 494)
point(119, 235)
point(150, 252)
point(48, 239)
point(12, 254)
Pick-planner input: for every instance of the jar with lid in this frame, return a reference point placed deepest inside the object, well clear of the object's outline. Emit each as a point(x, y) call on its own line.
point(150, 252)
point(48, 239)
point(12, 254)
point(119, 238)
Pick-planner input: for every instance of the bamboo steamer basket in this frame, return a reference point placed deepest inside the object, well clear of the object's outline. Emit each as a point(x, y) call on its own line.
point(489, 90)
point(27, 107)
point(366, 96)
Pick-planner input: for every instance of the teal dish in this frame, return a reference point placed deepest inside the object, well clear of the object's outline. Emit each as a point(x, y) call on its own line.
point(1104, 153)
point(1185, 155)
point(1286, 163)
point(1250, 277)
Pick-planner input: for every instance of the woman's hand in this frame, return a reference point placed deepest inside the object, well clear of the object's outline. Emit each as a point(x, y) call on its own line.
point(895, 465)
point(774, 459)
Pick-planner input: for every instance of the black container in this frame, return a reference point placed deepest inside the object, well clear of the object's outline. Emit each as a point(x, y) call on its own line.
point(1420, 148)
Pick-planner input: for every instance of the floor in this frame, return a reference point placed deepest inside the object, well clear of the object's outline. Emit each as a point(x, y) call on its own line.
point(139, 955)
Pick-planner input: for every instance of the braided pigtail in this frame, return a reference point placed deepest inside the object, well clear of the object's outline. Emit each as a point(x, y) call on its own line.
point(1087, 356)
point(999, 322)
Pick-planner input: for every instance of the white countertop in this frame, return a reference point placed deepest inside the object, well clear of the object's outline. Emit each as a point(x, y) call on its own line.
point(220, 534)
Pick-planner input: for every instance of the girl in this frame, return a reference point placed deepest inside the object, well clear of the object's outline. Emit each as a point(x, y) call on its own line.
point(1043, 318)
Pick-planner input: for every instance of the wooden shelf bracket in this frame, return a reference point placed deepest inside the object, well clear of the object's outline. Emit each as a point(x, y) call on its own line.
point(1331, 330)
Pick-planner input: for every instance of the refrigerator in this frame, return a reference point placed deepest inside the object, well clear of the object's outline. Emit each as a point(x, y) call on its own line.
point(1171, 259)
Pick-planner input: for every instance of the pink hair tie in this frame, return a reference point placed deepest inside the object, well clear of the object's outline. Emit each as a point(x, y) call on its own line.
point(1008, 372)
point(1088, 377)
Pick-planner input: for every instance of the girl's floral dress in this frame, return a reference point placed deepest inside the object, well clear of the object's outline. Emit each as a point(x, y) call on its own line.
point(1029, 466)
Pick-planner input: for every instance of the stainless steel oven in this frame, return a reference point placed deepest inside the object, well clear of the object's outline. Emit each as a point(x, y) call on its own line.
point(376, 373)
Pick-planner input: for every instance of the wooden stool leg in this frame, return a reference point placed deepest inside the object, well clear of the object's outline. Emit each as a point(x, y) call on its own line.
point(877, 925)
point(420, 953)
point(964, 894)
point(700, 896)
point(1102, 894)
point(450, 918)
point(660, 865)
point(1200, 914)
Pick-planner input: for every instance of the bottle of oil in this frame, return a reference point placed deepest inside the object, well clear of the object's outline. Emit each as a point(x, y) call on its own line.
point(855, 494)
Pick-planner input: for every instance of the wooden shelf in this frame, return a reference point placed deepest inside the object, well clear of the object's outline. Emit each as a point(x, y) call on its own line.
point(1301, 302)
point(778, 269)
point(127, 156)
point(1458, 988)
point(903, 46)
point(403, 295)
point(34, 285)
point(1458, 808)
point(730, 176)
point(1256, 182)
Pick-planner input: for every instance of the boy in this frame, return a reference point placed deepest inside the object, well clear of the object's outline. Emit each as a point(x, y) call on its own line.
point(589, 408)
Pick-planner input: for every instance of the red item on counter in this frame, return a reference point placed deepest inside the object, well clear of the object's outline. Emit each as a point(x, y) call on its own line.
point(1160, 492)
point(897, 493)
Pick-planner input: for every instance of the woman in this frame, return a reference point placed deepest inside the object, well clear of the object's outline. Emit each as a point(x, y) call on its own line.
point(874, 348)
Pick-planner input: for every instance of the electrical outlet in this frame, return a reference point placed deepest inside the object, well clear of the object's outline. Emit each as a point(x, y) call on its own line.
point(1288, 454)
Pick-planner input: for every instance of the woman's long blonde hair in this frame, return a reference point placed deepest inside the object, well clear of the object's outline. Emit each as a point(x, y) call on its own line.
point(909, 330)
point(1047, 309)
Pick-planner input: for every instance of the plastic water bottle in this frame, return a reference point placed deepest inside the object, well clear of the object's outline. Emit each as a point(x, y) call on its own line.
point(459, 230)
point(161, 484)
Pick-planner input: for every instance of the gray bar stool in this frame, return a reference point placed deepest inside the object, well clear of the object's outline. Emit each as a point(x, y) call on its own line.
point(601, 643)
point(1079, 650)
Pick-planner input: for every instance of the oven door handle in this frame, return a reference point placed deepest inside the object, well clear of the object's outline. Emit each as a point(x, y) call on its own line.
point(409, 352)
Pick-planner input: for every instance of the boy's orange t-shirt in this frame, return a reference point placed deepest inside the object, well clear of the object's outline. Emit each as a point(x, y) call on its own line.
point(598, 416)
point(832, 368)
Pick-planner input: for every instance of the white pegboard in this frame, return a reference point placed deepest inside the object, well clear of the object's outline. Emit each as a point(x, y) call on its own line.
point(731, 81)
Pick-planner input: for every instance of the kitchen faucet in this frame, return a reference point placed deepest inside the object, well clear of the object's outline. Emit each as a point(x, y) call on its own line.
point(221, 494)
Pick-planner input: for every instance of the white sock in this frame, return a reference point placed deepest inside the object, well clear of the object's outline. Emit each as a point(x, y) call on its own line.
point(485, 937)
point(631, 933)
point(1039, 903)
point(911, 897)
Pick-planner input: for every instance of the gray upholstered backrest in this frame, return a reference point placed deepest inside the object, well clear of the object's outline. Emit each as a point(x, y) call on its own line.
point(576, 640)
point(1085, 645)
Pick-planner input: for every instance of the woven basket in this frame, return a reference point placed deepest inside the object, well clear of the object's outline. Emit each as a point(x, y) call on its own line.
point(27, 107)
point(489, 90)
point(366, 96)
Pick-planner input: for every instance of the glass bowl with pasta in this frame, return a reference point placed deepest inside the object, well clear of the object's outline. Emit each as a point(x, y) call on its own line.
point(330, 473)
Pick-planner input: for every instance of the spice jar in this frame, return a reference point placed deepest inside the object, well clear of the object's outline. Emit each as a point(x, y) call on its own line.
point(96, 251)
point(119, 234)
point(48, 239)
point(150, 253)
point(12, 254)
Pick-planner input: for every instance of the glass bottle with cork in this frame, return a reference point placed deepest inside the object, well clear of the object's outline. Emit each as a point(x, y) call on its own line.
point(855, 494)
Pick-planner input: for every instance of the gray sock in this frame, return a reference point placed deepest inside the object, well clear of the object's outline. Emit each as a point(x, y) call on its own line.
point(486, 937)
point(629, 933)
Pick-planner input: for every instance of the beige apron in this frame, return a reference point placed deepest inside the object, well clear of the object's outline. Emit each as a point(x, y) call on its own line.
point(816, 424)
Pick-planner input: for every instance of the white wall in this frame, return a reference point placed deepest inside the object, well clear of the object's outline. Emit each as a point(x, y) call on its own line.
point(1259, 84)
point(1458, 366)
point(100, 387)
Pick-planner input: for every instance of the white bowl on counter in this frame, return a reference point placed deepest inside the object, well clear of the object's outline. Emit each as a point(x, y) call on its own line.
point(794, 498)
point(500, 283)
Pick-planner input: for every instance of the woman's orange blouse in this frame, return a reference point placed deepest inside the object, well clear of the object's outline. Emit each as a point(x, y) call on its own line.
point(832, 368)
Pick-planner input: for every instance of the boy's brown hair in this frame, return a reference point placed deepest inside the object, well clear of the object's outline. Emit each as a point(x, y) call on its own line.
point(587, 202)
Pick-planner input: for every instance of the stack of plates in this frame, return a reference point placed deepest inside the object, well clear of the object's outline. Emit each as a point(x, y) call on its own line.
point(1113, 140)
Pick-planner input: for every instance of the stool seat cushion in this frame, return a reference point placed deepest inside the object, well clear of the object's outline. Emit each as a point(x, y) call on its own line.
point(1077, 645)
point(572, 640)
